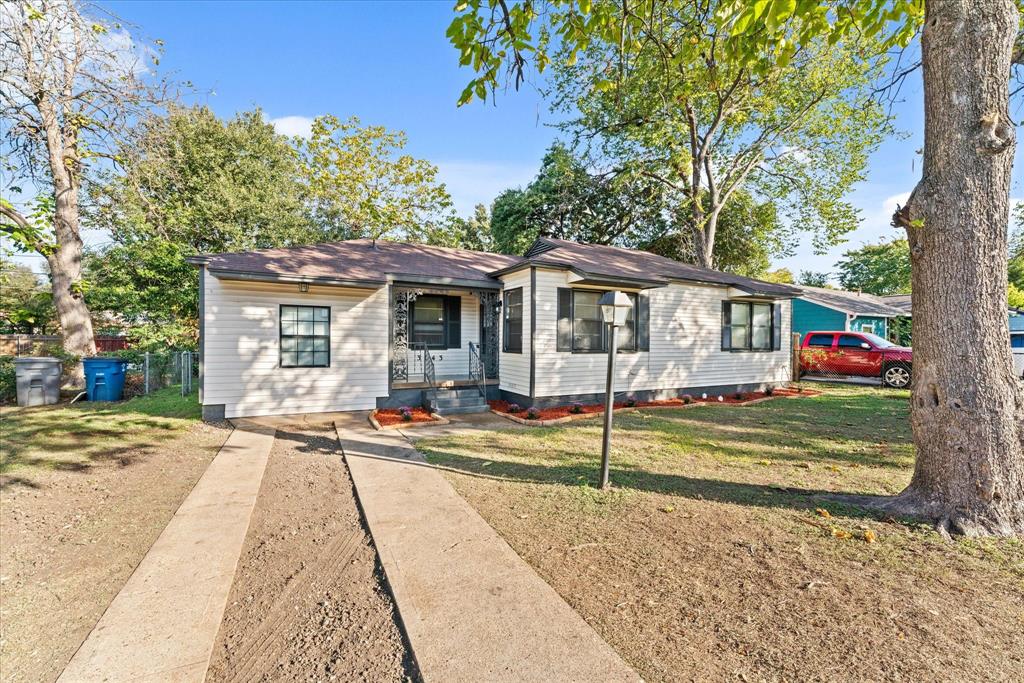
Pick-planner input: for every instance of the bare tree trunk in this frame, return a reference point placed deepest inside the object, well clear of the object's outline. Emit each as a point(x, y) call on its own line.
point(66, 259)
point(967, 408)
point(66, 279)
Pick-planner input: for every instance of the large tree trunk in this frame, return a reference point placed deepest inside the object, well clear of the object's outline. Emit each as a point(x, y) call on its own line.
point(65, 260)
point(967, 408)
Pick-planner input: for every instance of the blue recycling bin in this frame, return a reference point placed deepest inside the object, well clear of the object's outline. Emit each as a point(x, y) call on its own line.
point(104, 378)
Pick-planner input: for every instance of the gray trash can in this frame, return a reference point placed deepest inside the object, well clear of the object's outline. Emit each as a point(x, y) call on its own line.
point(37, 380)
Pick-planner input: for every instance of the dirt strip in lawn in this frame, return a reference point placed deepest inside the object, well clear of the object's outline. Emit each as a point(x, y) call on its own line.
point(309, 602)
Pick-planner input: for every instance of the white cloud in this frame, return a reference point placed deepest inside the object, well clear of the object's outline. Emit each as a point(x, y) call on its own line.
point(479, 182)
point(291, 126)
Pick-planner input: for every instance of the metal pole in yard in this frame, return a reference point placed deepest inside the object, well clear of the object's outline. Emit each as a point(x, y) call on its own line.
point(145, 372)
point(609, 406)
point(181, 363)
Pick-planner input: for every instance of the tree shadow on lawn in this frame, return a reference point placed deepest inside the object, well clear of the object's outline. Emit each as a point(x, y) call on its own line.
point(630, 477)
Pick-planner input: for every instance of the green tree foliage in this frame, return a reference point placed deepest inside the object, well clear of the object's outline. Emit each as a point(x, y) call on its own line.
point(469, 233)
point(812, 278)
point(784, 276)
point(26, 303)
point(656, 89)
point(204, 184)
point(1015, 263)
point(189, 183)
point(749, 236)
point(566, 201)
point(359, 184)
point(881, 269)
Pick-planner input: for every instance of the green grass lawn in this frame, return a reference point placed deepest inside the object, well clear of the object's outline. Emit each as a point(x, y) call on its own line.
point(719, 553)
point(71, 437)
point(849, 440)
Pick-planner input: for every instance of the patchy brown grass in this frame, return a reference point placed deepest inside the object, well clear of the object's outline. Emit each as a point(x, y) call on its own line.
point(71, 536)
point(718, 555)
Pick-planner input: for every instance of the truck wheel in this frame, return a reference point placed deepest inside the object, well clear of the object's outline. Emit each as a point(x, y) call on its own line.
point(896, 375)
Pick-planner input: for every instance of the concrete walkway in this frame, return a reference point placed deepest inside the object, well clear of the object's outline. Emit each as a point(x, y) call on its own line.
point(473, 609)
point(163, 623)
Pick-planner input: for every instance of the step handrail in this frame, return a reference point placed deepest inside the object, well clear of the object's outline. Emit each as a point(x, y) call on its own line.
point(429, 371)
point(477, 370)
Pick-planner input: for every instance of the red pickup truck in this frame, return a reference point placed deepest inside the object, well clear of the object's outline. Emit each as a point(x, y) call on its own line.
point(859, 354)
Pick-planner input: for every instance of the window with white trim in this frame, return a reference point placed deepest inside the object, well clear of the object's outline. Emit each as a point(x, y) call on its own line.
point(305, 336)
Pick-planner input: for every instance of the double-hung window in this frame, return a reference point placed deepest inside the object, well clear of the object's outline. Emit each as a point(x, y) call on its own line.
point(428, 322)
point(587, 322)
point(748, 326)
point(589, 330)
point(512, 334)
point(305, 336)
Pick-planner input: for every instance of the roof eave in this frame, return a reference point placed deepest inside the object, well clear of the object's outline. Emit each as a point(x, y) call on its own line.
point(285, 278)
point(409, 279)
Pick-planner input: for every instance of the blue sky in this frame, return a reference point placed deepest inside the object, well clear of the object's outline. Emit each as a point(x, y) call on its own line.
point(390, 64)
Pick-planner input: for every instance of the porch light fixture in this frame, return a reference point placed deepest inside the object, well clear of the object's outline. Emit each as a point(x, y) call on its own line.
point(303, 286)
point(615, 306)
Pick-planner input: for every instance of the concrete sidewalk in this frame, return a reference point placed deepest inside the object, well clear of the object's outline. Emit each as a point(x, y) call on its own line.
point(472, 608)
point(163, 623)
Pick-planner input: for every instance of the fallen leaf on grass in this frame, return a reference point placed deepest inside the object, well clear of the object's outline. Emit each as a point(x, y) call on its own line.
point(764, 462)
point(841, 533)
point(823, 512)
point(667, 508)
point(870, 536)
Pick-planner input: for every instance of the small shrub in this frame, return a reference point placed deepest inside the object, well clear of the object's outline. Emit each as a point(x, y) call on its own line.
point(532, 413)
point(631, 402)
point(799, 389)
point(406, 413)
point(576, 408)
point(738, 396)
point(8, 391)
point(687, 399)
point(768, 391)
point(514, 407)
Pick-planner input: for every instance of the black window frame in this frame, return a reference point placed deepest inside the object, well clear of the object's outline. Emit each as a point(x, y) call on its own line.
point(749, 346)
point(505, 320)
point(443, 323)
point(634, 348)
point(281, 336)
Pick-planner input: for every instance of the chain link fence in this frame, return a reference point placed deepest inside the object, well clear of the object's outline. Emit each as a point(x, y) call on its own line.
point(150, 371)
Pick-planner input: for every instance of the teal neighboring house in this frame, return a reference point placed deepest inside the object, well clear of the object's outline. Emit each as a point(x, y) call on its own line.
point(820, 310)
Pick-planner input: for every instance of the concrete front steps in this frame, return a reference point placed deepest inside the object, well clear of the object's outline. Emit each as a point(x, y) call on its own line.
point(451, 401)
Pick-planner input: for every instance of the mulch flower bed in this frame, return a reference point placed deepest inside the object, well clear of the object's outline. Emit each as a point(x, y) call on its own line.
point(390, 417)
point(577, 409)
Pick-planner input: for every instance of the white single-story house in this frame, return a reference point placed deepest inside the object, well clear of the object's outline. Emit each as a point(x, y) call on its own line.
point(364, 324)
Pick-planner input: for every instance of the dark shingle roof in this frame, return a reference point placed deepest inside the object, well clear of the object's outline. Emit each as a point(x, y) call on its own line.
point(374, 263)
point(900, 301)
point(600, 260)
point(856, 303)
point(362, 261)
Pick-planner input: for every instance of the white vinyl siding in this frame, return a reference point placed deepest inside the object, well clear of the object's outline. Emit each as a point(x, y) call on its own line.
point(242, 369)
point(685, 346)
point(451, 362)
point(514, 368)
